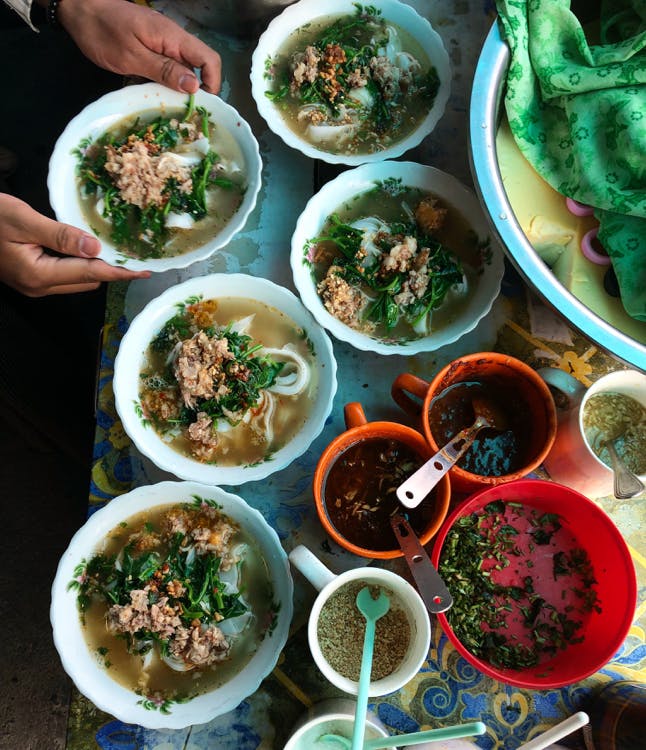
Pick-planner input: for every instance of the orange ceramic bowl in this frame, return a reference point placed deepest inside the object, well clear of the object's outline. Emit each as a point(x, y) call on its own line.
point(359, 429)
point(539, 409)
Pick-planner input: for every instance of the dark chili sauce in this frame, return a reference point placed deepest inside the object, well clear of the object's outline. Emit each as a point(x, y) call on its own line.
point(359, 492)
point(495, 451)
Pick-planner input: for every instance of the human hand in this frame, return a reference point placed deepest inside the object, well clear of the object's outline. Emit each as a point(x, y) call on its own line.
point(25, 266)
point(133, 39)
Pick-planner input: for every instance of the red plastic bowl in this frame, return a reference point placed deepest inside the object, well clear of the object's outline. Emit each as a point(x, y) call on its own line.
point(588, 527)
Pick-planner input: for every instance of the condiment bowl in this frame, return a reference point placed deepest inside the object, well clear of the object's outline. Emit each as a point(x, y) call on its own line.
point(426, 519)
point(508, 385)
point(289, 314)
point(483, 267)
point(307, 12)
point(408, 609)
point(573, 459)
point(153, 99)
point(87, 668)
point(573, 581)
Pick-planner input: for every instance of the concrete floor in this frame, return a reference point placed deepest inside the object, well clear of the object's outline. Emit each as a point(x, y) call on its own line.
point(47, 365)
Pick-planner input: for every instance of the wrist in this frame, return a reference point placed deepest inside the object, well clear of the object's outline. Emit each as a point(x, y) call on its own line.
point(51, 13)
point(62, 11)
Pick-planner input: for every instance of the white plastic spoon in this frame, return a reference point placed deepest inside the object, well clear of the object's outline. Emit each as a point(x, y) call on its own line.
point(557, 732)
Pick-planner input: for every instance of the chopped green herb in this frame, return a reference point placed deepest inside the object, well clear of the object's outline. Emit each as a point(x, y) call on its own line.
point(483, 542)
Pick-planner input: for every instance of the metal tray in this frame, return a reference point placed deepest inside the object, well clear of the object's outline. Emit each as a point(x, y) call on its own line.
point(486, 96)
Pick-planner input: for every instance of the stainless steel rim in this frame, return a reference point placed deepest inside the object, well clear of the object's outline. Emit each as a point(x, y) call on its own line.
point(483, 119)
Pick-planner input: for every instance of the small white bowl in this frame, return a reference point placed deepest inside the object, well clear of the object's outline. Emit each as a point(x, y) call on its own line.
point(305, 12)
point(105, 112)
point(149, 322)
point(93, 679)
point(356, 181)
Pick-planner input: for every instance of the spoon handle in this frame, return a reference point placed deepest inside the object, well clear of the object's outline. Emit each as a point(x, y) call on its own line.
point(359, 729)
point(411, 492)
point(427, 735)
point(430, 585)
point(626, 484)
point(562, 729)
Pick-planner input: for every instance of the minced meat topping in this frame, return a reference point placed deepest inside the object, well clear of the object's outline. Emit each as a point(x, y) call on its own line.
point(141, 174)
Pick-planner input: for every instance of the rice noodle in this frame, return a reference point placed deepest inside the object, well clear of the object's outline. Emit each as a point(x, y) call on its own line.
point(179, 665)
point(370, 226)
point(235, 625)
point(243, 324)
point(393, 45)
point(261, 417)
point(298, 376)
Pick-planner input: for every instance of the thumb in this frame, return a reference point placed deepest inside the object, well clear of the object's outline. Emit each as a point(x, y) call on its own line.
point(64, 238)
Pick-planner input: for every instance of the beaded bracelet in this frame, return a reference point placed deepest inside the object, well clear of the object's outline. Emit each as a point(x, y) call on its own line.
point(52, 13)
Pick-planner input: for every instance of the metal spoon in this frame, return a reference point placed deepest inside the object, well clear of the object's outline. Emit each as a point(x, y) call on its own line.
point(430, 585)
point(626, 483)
point(411, 492)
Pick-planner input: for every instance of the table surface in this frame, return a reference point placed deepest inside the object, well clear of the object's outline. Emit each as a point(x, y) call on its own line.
point(447, 690)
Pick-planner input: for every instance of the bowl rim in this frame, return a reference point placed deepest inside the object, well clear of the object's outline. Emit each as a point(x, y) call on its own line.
point(104, 112)
point(291, 19)
point(355, 181)
point(476, 501)
point(156, 313)
point(88, 675)
point(483, 118)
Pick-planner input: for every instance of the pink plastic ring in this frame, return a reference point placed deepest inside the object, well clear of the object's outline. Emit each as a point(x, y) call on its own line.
point(578, 209)
point(589, 239)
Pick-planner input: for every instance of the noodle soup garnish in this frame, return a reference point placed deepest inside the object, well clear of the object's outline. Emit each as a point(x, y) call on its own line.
point(176, 601)
point(160, 185)
point(227, 381)
point(395, 262)
point(352, 84)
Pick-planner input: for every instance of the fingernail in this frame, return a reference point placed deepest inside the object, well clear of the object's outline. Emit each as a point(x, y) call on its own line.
point(188, 83)
point(87, 246)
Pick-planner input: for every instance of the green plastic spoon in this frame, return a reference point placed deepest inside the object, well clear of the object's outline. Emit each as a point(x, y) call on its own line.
point(372, 610)
point(336, 742)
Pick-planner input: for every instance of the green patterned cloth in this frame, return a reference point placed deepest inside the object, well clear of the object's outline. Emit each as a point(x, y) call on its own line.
point(578, 113)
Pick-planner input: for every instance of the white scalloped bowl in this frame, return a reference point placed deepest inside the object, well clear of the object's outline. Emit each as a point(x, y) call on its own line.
point(306, 11)
point(86, 670)
point(351, 183)
point(105, 112)
point(148, 323)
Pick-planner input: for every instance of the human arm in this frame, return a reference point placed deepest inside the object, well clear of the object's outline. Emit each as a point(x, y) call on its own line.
point(132, 39)
point(27, 268)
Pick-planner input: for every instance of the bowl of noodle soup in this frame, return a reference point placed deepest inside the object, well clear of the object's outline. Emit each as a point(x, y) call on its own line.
point(224, 379)
point(348, 83)
point(396, 257)
point(163, 179)
point(136, 625)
